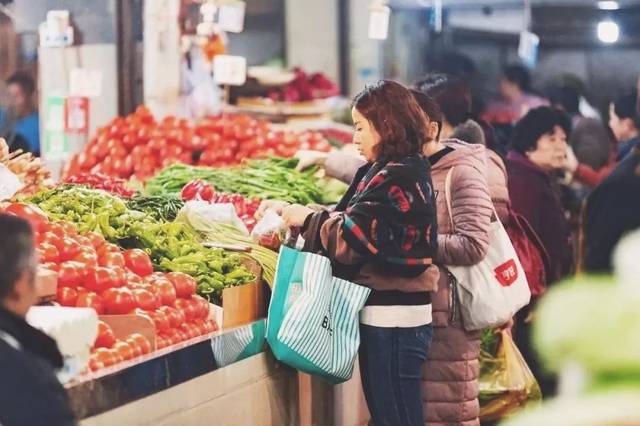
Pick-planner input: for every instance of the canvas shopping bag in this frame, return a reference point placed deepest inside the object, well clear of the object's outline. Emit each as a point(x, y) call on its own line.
point(313, 319)
point(490, 292)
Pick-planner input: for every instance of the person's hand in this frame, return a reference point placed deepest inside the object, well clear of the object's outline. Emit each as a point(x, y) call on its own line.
point(295, 215)
point(570, 163)
point(508, 327)
point(274, 205)
point(308, 158)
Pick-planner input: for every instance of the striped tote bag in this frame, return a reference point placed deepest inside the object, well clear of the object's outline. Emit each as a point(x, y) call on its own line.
point(313, 320)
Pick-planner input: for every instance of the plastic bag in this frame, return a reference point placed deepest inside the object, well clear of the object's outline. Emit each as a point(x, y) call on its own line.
point(9, 183)
point(270, 231)
point(507, 384)
point(200, 214)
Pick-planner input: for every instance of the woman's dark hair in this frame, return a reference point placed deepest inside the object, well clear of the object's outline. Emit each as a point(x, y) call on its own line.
point(538, 122)
point(24, 80)
point(452, 95)
point(625, 107)
point(16, 251)
point(518, 75)
point(430, 107)
point(395, 114)
point(567, 97)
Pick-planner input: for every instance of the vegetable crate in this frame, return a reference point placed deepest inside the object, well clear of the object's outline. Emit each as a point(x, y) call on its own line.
point(245, 303)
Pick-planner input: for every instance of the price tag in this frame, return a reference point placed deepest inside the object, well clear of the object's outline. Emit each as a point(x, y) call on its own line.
point(528, 48)
point(231, 16)
point(76, 115)
point(379, 22)
point(85, 82)
point(231, 70)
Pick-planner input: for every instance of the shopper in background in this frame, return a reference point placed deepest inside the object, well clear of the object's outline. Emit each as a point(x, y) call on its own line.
point(539, 147)
point(624, 121)
point(383, 234)
point(613, 210)
point(20, 123)
point(516, 97)
point(452, 95)
point(30, 393)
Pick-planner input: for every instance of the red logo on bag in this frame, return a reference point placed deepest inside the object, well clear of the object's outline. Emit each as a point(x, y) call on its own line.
point(507, 273)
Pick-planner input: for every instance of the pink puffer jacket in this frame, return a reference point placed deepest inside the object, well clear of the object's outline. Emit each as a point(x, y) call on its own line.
point(450, 376)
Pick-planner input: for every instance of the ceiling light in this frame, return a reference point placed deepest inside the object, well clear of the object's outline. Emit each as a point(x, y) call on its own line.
point(608, 5)
point(608, 31)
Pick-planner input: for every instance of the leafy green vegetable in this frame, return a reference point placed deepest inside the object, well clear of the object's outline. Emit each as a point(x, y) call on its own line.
point(275, 178)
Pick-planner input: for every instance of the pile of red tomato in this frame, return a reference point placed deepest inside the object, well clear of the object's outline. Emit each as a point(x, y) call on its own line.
point(138, 145)
point(96, 274)
point(108, 351)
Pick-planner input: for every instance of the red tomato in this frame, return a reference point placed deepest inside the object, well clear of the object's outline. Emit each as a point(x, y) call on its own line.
point(107, 248)
point(146, 299)
point(50, 266)
point(96, 239)
point(142, 342)
point(135, 281)
point(48, 253)
point(94, 363)
point(106, 338)
point(105, 356)
point(118, 301)
point(86, 160)
point(202, 306)
point(111, 259)
point(130, 140)
point(138, 262)
point(87, 257)
point(184, 284)
point(186, 307)
point(137, 350)
point(161, 342)
point(67, 296)
point(100, 279)
point(32, 214)
point(175, 316)
point(71, 274)
point(125, 351)
point(160, 320)
point(90, 300)
point(68, 248)
point(119, 276)
point(165, 290)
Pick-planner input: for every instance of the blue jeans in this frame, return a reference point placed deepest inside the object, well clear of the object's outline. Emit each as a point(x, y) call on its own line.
point(391, 362)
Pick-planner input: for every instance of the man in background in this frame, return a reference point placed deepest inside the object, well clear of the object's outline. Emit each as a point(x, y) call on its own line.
point(30, 393)
point(20, 123)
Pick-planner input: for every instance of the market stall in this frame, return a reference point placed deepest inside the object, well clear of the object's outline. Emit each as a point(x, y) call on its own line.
point(149, 249)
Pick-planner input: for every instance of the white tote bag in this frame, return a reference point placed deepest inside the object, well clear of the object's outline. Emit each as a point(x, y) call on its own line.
point(490, 292)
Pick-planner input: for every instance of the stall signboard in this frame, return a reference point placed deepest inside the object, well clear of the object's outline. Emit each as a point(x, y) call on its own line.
point(231, 16)
point(231, 70)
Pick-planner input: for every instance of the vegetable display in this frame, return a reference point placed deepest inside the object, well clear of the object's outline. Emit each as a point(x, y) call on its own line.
point(159, 207)
point(99, 181)
point(172, 246)
point(244, 207)
point(216, 232)
point(275, 178)
point(138, 145)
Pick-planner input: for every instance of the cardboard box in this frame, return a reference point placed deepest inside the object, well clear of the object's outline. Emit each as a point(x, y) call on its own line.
point(125, 325)
point(244, 304)
point(46, 285)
